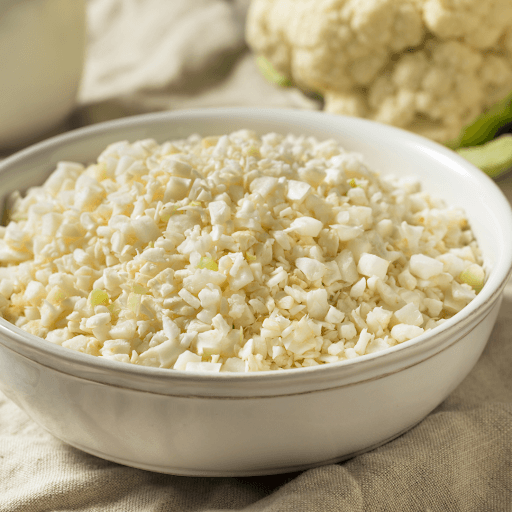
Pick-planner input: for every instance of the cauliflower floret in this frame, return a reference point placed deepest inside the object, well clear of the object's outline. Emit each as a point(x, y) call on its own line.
point(306, 226)
point(184, 358)
point(358, 288)
point(430, 66)
point(317, 304)
point(163, 355)
point(334, 315)
point(297, 190)
point(347, 330)
point(220, 212)
point(201, 278)
point(410, 315)
point(312, 269)
point(404, 332)
point(193, 366)
point(364, 338)
point(35, 293)
point(215, 340)
point(362, 36)
point(480, 24)
point(424, 266)
point(370, 265)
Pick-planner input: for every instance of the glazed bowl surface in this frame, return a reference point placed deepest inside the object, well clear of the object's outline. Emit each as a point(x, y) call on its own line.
point(232, 424)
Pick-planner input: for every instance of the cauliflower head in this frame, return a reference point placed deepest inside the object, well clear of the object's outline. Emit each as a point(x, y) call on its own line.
point(429, 66)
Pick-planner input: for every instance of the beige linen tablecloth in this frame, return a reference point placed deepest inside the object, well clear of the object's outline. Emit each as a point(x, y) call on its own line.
point(165, 54)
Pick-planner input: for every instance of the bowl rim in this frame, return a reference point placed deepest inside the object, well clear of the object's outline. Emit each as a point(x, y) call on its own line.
point(431, 340)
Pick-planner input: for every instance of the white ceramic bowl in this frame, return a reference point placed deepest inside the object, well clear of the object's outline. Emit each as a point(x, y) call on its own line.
point(272, 422)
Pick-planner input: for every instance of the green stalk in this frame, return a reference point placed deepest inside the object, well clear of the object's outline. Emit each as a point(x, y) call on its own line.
point(270, 73)
point(477, 142)
point(493, 157)
point(486, 126)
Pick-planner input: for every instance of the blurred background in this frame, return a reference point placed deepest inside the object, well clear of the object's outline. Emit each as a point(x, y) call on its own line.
point(156, 55)
point(138, 56)
point(430, 66)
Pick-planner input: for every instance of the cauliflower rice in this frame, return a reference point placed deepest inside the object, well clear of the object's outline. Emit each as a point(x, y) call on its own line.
point(234, 253)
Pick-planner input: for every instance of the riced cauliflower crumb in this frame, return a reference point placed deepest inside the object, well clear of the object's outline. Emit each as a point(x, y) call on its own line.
point(235, 253)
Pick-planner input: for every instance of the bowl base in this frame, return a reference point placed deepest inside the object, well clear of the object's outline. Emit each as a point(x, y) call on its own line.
point(179, 471)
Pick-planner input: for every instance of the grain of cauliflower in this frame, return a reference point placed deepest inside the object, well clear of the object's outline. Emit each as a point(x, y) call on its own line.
point(429, 66)
point(234, 253)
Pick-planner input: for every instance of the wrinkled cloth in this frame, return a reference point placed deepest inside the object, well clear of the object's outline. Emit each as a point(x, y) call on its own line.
point(152, 55)
point(149, 55)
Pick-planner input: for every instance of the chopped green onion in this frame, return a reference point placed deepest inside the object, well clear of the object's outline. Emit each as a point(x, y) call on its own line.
point(99, 297)
point(207, 353)
point(167, 213)
point(56, 295)
point(133, 302)
point(474, 276)
point(139, 289)
point(114, 309)
point(250, 257)
point(102, 171)
point(208, 263)
point(18, 217)
point(254, 151)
